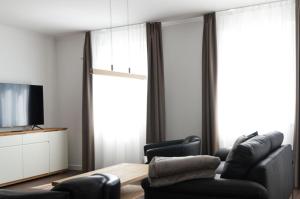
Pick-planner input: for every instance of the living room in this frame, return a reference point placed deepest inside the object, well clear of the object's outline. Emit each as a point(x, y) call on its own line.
point(149, 99)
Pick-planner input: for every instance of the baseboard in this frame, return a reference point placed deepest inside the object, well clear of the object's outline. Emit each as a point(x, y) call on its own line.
point(75, 167)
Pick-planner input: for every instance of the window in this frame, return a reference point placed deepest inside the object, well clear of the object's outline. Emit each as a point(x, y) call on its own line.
point(256, 71)
point(119, 100)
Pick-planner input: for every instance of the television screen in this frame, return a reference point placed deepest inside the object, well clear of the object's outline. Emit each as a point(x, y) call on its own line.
point(21, 105)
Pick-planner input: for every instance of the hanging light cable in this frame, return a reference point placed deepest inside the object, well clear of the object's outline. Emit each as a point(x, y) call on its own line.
point(128, 41)
point(111, 39)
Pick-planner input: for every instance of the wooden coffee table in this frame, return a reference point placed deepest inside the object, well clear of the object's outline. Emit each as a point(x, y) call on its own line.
point(130, 177)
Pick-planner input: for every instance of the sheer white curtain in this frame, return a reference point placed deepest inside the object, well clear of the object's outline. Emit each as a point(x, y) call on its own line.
point(256, 71)
point(119, 103)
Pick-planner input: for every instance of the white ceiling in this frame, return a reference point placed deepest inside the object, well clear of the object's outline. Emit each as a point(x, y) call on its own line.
point(57, 17)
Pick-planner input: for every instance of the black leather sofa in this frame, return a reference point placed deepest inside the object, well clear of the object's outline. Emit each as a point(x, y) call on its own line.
point(184, 147)
point(271, 178)
point(98, 186)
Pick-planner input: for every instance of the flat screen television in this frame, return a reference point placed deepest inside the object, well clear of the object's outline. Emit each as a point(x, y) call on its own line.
point(21, 105)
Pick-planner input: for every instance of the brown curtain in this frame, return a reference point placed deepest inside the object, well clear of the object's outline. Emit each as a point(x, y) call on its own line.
point(88, 155)
point(156, 90)
point(209, 85)
point(297, 121)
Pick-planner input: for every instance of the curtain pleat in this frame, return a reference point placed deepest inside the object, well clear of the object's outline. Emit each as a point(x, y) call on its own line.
point(297, 122)
point(88, 155)
point(156, 90)
point(209, 85)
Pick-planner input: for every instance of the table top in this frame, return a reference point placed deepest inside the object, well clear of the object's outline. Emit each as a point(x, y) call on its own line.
point(129, 173)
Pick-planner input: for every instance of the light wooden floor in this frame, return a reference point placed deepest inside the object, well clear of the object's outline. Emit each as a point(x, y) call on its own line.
point(29, 186)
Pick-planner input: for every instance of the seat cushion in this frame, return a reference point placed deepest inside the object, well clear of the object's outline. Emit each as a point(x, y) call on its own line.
point(246, 154)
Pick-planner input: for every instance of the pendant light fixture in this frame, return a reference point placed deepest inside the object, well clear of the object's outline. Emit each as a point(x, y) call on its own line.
point(128, 41)
point(111, 35)
point(113, 72)
point(111, 39)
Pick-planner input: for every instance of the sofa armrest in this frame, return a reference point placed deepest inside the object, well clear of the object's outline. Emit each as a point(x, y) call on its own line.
point(209, 188)
point(276, 173)
point(222, 153)
point(175, 150)
point(112, 187)
point(161, 144)
point(9, 194)
point(98, 186)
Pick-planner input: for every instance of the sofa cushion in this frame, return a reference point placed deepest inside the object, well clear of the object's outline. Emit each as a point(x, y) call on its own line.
point(276, 139)
point(246, 154)
point(240, 140)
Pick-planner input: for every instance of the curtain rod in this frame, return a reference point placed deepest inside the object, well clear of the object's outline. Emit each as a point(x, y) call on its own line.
point(186, 19)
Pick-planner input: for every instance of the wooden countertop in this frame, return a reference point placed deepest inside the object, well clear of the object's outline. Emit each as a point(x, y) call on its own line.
point(45, 130)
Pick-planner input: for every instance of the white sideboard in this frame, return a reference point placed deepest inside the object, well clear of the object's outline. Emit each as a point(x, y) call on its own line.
point(31, 154)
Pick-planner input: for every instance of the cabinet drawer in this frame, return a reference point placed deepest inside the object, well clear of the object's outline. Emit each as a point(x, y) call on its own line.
point(13, 140)
point(35, 138)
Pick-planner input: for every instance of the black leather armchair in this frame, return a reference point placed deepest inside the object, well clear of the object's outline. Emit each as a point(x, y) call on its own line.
point(175, 148)
point(98, 186)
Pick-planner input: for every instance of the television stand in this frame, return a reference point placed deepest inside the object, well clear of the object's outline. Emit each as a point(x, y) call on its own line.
point(36, 126)
point(32, 154)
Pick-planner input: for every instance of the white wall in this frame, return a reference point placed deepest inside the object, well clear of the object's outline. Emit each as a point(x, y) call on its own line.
point(29, 58)
point(182, 48)
point(69, 52)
